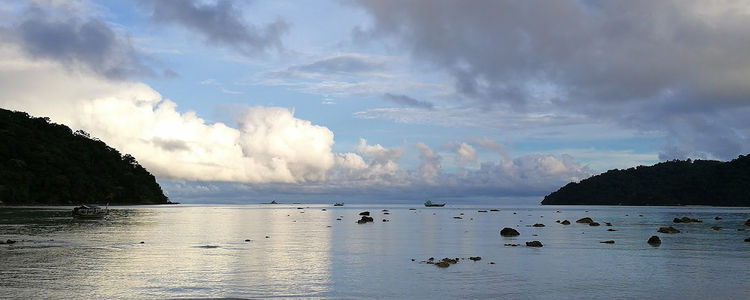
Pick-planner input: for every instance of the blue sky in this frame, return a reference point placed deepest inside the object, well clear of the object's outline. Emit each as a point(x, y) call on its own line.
point(398, 100)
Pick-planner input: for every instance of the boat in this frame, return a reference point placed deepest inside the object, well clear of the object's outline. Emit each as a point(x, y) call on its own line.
point(338, 204)
point(90, 212)
point(429, 203)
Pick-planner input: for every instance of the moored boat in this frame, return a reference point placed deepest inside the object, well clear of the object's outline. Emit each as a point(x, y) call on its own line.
point(90, 212)
point(429, 203)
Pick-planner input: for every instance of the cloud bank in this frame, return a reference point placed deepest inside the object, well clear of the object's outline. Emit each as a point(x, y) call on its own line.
point(680, 68)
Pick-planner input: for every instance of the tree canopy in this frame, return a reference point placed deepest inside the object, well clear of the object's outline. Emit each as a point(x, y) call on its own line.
point(677, 182)
point(43, 163)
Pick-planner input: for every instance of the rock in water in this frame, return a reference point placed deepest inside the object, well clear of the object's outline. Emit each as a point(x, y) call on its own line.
point(365, 219)
point(593, 224)
point(654, 241)
point(534, 244)
point(475, 258)
point(509, 232)
point(747, 240)
point(443, 264)
point(747, 223)
point(669, 229)
point(607, 242)
point(718, 218)
point(538, 225)
point(565, 222)
point(364, 213)
point(686, 220)
point(585, 220)
point(716, 227)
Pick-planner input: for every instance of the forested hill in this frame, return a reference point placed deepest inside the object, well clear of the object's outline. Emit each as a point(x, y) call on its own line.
point(42, 163)
point(698, 182)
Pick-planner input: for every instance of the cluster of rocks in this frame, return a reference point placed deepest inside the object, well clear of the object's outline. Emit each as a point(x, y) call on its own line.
point(587, 220)
point(447, 262)
point(365, 218)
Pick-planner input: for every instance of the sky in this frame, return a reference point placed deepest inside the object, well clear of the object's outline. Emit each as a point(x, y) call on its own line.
point(394, 101)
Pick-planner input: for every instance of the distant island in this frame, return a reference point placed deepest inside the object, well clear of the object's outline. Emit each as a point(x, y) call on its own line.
point(43, 163)
point(677, 182)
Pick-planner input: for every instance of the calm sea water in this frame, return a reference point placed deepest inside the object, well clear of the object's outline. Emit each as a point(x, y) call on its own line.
point(193, 251)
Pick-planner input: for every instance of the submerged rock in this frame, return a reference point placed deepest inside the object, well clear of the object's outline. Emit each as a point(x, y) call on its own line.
point(565, 222)
point(718, 218)
point(747, 240)
point(608, 223)
point(654, 241)
point(512, 245)
point(669, 229)
point(538, 225)
point(481, 210)
point(747, 223)
point(594, 224)
point(611, 229)
point(534, 244)
point(509, 232)
point(607, 242)
point(494, 210)
point(716, 227)
point(475, 258)
point(585, 220)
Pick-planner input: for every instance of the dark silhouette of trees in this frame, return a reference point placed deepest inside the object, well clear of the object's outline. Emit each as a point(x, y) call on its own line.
point(43, 163)
point(676, 182)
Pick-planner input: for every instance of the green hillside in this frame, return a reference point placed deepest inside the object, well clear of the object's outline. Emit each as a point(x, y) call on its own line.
point(690, 182)
point(42, 163)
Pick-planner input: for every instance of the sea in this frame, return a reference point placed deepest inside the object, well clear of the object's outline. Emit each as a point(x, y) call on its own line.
point(319, 251)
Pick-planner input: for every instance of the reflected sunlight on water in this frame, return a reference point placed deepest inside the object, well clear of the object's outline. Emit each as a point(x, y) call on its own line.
point(283, 251)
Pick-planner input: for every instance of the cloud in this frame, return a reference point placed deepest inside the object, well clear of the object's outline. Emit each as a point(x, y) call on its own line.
point(680, 68)
point(348, 74)
point(488, 144)
point(77, 38)
point(221, 24)
point(464, 152)
point(407, 101)
point(268, 144)
point(429, 169)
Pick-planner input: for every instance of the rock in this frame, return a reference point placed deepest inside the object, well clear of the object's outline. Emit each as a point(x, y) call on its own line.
point(669, 229)
point(386, 213)
point(654, 241)
point(512, 245)
point(686, 220)
point(608, 223)
point(338, 219)
point(607, 242)
point(475, 258)
point(557, 221)
point(747, 240)
point(494, 210)
point(9, 242)
point(142, 242)
point(585, 220)
point(268, 237)
point(443, 264)
point(323, 209)
point(386, 220)
point(385, 210)
point(457, 218)
point(716, 227)
point(509, 232)
point(412, 209)
point(534, 244)
point(565, 222)
point(747, 223)
point(740, 229)
point(610, 229)
point(538, 225)
point(365, 219)
point(247, 240)
point(492, 262)
point(451, 261)
point(364, 213)
point(718, 218)
point(594, 224)
point(481, 210)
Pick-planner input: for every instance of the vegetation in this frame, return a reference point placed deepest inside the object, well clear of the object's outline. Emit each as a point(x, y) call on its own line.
point(690, 182)
point(42, 163)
